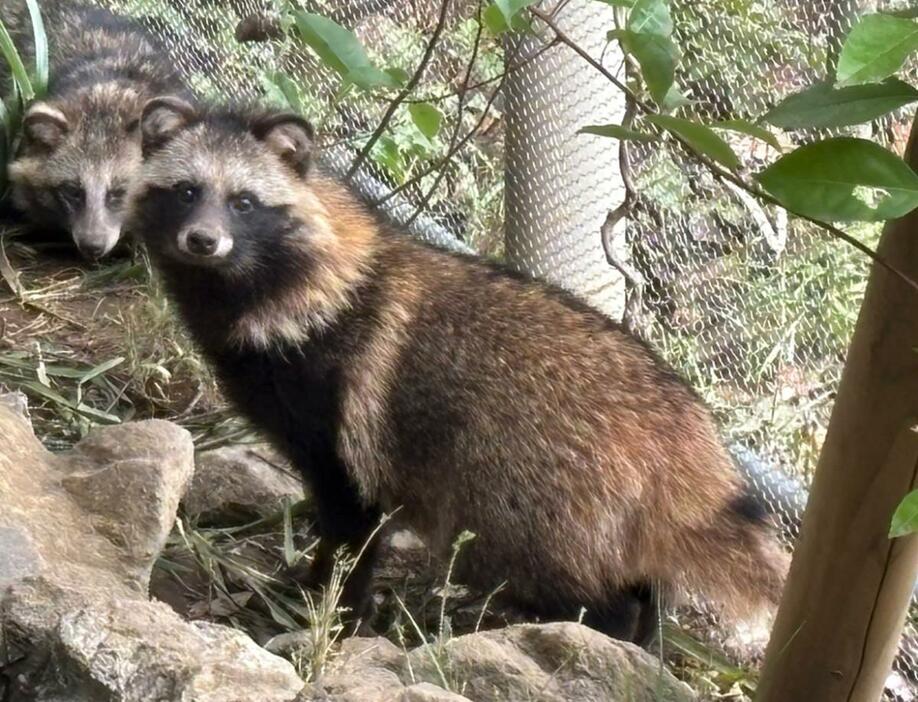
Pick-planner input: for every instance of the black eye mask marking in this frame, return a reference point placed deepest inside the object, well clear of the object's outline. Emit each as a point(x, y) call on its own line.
point(71, 196)
point(243, 203)
point(114, 198)
point(187, 193)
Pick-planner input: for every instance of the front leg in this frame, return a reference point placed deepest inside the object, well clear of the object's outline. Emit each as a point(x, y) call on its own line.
point(343, 521)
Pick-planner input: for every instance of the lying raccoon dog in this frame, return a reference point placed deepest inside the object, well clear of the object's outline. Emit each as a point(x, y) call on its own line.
point(80, 145)
point(396, 375)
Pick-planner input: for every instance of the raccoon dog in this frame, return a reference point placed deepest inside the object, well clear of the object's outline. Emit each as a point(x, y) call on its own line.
point(79, 150)
point(396, 375)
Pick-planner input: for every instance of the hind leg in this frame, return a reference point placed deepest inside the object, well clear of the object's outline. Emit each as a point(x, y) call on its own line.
point(648, 624)
point(628, 614)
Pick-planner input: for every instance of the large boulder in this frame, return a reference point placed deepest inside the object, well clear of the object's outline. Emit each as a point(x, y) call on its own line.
point(559, 662)
point(234, 483)
point(79, 533)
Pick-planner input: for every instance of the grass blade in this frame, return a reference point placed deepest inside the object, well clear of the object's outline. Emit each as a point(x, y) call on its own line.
point(6, 144)
point(100, 369)
point(289, 549)
point(42, 73)
point(17, 67)
point(689, 646)
point(7, 272)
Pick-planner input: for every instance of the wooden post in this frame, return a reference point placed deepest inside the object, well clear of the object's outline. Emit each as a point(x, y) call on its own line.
point(847, 595)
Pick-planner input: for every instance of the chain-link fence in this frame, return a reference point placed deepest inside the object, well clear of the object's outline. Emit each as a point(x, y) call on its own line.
point(755, 310)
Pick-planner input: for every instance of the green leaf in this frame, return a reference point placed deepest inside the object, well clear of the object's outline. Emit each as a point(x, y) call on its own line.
point(821, 105)
point(619, 3)
point(616, 131)
point(426, 117)
point(744, 126)
point(650, 17)
point(40, 38)
point(674, 99)
point(496, 22)
point(63, 402)
point(493, 20)
point(340, 49)
point(905, 519)
point(18, 70)
point(510, 8)
point(699, 137)
point(285, 90)
point(647, 38)
point(387, 154)
point(657, 56)
point(843, 180)
point(875, 48)
point(399, 75)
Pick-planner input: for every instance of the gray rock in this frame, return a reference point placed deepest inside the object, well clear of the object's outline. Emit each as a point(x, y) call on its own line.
point(425, 692)
point(18, 556)
point(129, 479)
point(238, 482)
point(365, 670)
point(18, 402)
point(78, 535)
point(293, 642)
point(560, 662)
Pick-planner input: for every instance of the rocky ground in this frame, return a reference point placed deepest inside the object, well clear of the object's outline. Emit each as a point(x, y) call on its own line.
point(79, 537)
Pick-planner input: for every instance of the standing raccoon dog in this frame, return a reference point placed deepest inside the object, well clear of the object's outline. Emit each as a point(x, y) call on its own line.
point(79, 151)
point(396, 375)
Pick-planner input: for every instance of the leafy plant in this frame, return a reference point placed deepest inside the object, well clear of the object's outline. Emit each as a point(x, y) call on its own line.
point(843, 179)
point(822, 105)
point(905, 518)
point(648, 37)
point(839, 179)
point(875, 49)
point(342, 51)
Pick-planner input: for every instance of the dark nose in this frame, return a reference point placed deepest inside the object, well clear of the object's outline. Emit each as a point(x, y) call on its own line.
point(202, 243)
point(91, 250)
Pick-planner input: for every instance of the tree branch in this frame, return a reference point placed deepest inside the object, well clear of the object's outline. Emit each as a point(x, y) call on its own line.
point(634, 280)
point(404, 93)
point(463, 91)
point(462, 142)
point(449, 154)
point(487, 81)
point(717, 170)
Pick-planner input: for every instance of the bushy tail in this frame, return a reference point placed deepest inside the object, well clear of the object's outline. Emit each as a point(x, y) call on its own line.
point(736, 561)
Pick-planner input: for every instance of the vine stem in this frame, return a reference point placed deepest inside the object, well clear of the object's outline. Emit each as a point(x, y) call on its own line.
point(463, 92)
point(404, 93)
point(442, 162)
point(722, 173)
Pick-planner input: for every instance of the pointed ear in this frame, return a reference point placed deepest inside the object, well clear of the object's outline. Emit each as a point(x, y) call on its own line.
point(290, 137)
point(44, 126)
point(162, 118)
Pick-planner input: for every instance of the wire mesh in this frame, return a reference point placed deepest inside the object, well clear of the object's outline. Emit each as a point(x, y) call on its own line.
point(755, 310)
